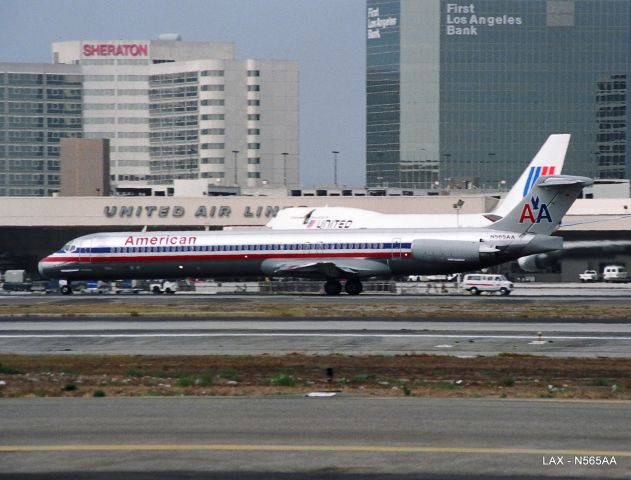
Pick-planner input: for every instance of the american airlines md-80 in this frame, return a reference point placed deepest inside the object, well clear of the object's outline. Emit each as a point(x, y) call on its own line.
point(330, 255)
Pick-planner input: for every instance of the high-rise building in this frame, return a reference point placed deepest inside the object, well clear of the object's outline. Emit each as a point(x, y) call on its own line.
point(473, 88)
point(39, 105)
point(171, 110)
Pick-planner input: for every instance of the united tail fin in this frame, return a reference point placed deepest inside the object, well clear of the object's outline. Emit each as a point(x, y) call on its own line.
point(541, 211)
point(548, 161)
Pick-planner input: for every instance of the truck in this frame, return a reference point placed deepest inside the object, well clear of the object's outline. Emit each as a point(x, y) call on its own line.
point(163, 286)
point(125, 287)
point(16, 281)
point(95, 286)
point(588, 276)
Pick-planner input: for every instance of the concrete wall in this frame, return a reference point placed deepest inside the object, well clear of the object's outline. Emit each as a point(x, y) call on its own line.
point(85, 167)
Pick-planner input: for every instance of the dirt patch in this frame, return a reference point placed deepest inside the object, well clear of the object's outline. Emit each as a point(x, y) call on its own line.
point(195, 307)
point(516, 376)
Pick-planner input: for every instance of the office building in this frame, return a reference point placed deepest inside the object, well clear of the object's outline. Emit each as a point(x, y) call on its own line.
point(472, 89)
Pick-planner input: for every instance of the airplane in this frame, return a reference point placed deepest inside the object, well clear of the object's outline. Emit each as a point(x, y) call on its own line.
point(331, 255)
point(548, 161)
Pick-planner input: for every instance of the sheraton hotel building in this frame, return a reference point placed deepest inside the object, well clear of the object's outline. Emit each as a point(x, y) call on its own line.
point(472, 88)
point(168, 109)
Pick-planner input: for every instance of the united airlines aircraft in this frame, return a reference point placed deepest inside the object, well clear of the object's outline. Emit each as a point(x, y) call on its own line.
point(330, 255)
point(548, 161)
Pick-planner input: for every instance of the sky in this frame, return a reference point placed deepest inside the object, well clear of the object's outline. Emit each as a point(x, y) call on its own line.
point(326, 37)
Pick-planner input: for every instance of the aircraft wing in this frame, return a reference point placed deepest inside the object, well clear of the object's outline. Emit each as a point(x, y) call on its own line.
point(324, 268)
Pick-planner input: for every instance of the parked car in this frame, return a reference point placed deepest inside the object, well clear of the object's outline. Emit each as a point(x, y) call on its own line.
point(476, 283)
point(614, 273)
point(588, 276)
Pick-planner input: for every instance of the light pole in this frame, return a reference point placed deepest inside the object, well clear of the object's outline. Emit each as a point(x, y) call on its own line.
point(235, 152)
point(284, 154)
point(457, 206)
point(335, 152)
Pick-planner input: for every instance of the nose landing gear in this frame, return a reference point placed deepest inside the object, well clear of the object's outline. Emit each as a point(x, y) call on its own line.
point(65, 288)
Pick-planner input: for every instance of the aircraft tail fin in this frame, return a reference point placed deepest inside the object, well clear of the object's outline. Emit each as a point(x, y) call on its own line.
point(541, 211)
point(548, 161)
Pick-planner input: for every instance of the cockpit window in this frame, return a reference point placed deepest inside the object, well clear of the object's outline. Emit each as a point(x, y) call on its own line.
point(69, 247)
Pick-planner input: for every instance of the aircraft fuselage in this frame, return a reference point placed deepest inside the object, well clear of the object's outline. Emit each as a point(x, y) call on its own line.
point(360, 253)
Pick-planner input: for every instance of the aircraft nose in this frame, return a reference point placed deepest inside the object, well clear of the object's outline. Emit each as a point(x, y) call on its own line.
point(43, 267)
point(40, 268)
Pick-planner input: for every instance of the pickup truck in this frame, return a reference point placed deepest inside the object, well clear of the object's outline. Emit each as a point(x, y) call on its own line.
point(588, 276)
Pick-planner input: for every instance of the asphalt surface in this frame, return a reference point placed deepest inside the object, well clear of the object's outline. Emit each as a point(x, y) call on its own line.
point(311, 438)
point(175, 336)
point(338, 437)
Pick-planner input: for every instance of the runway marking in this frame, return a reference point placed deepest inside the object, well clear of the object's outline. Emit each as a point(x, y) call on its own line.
point(306, 448)
point(340, 335)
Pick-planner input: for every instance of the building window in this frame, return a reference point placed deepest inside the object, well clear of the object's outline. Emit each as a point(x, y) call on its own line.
point(254, 146)
point(132, 78)
point(25, 79)
point(254, 160)
point(213, 161)
point(254, 88)
point(254, 73)
point(254, 116)
point(254, 174)
point(98, 78)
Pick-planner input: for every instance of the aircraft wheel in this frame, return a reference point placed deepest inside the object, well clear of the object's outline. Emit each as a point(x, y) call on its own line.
point(354, 287)
point(332, 287)
point(66, 290)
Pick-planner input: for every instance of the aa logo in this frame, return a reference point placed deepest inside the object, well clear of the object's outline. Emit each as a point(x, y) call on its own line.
point(535, 212)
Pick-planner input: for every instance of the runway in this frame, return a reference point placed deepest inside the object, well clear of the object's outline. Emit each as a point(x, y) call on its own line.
point(343, 437)
point(339, 437)
point(176, 336)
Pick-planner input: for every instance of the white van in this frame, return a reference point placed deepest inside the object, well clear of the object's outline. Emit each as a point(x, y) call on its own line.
point(614, 273)
point(477, 283)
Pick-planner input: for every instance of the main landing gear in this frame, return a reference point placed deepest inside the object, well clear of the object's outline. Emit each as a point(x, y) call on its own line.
point(352, 287)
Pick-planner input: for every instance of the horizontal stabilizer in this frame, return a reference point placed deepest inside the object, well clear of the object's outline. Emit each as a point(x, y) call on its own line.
point(540, 212)
point(565, 180)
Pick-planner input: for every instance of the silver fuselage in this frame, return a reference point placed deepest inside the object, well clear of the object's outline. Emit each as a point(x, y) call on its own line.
point(364, 253)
